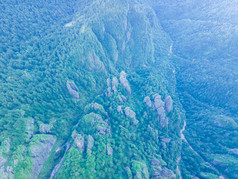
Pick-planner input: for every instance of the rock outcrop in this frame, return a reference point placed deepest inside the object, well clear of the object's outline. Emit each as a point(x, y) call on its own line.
point(72, 89)
point(41, 146)
point(114, 84)
point(168, 103)
point(90, 142)
point(30, 127)
point(158, 170)
point(95, 63)
point(129, 113)
point(125, 82)
point(148, 101)
point(119, 109)
point(45, 128)
point(109, 150)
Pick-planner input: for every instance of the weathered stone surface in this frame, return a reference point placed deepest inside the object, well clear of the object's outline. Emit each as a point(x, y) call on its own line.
point(97, 107)
point(135, 122)
point(168, 103)
point(6, 173)
point(125, 82)
point(72, 89)
point(45, 128)
point(2, 161)
point(160, 111)
point(164, 121)
point(158, 103)
point(129, 113)
point(165, 140)
point(119, 109)
point(158, 170)
point(40, 149)
point(90, 142)
point(148, 101)
point(235, 151)
point(167, 173)
point(95, 63)
point(114, 84)
point(30, 127)
point(109, 150)
point(79, 142)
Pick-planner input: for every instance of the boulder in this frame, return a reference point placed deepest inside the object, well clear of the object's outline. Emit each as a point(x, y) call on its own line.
point(158, 103)
point(165, 140)
point(168, 103)
point(90, 142)
point(119, 109)
point(135, 122)
point(160, 111)
point(129, 113)
point(79, 142)
point(148, 101)
point(164, 121)
point(72, 89)
point(2, 161)
point(114, 84)
point(109, 150)
point(125, 82)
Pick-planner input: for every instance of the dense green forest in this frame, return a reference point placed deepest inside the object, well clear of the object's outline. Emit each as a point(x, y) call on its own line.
point(118, 89)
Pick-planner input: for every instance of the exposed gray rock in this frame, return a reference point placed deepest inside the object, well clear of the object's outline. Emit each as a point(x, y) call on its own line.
point(109, 150)
point(40, 150)
point(148, 101)
point(45, 128)
point(235, 151)
point(165, 140)
point(155, 162)
point(119, 109)
point(115, 81)
point(159, 171)
point(167, 173)
point(95, 63)
point(98, 107)
point(72, 89)
point(129, 113)
point(30, 127)
point(108, 82)
point(158, 103)
point(156, 96)
point(6, 173)
point(160, 111)
point(2, 161)
point(114, 84)
point(135, 122)
point(79, 142)
point(168, 103)
point(125, 82)
point(124, 99)
point(90, 142)
point(164, 121)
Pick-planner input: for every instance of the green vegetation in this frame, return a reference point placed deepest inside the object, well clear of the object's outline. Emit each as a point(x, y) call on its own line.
point(74, 76)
